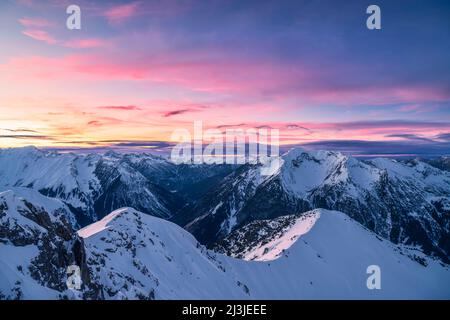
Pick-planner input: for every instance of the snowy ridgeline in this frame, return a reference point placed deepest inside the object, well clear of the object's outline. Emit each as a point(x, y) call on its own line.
point(320, 254)
point(405, 202)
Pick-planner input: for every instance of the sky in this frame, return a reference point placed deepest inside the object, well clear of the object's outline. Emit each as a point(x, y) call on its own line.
point(138, 70)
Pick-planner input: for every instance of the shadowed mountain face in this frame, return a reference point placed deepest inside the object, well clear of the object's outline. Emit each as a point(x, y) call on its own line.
point(403, 202)
point(442, 163)
point(37, 244)
point(131, 255)
point(94, 185)
point(406, 203)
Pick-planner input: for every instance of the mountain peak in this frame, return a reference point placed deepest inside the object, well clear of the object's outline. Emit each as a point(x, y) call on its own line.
point(267, 240)
point(23, 150)
point(297, 152)
point(103, 224)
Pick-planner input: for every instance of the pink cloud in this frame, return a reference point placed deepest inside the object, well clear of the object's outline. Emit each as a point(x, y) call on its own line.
point(27, 3)
point(40, 35)
point(409, 108)
point(178, 112)
point(44, 36)
point(94, 123)
point(252, 78)
point(417, 108)
point(123, 108)
point(36, 23)
point(86, 43)
point(75, 67)
point(122, 12)
point(34, 30)
point(382, 128)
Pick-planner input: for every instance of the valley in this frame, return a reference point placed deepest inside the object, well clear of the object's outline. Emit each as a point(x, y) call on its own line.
point(310, 231)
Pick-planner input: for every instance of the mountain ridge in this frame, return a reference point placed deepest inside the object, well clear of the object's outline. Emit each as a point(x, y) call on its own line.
point(402, 202)
point(93, 185)
point(131, 255)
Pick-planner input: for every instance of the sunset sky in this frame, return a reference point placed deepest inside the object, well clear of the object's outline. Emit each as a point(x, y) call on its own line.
point(137, 70)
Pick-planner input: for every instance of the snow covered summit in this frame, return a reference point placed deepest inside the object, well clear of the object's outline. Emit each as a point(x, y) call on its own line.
point(322, 254)
point(131, 255)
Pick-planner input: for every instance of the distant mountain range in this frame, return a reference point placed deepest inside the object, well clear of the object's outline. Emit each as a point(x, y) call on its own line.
point(442, 163)
point(308, 231)
point(93, 185)
point(405, 203)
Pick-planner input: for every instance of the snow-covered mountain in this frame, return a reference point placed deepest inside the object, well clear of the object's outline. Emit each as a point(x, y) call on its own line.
point(442, 163)
point(37, 243)
point(406, 203)
point(131, 255)
point(93, 185)
point(394, 214)
point(138, 256)
point(265, 240)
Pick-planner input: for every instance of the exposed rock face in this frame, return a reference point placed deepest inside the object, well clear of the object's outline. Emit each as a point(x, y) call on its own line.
point(131, 255)
point(93, 185)
point(238, 211)
point(405, 203)
point(41, 232)
point(442, 163)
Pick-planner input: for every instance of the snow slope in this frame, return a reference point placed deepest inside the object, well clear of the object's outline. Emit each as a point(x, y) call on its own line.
point(265, 240)
point(403, 202)
point(131, 255)
point(137, 256)
point(330, 262)
point(323, 254)
point(286, 251)
point(92, 185)
point(37, 243)
point(64, 176)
